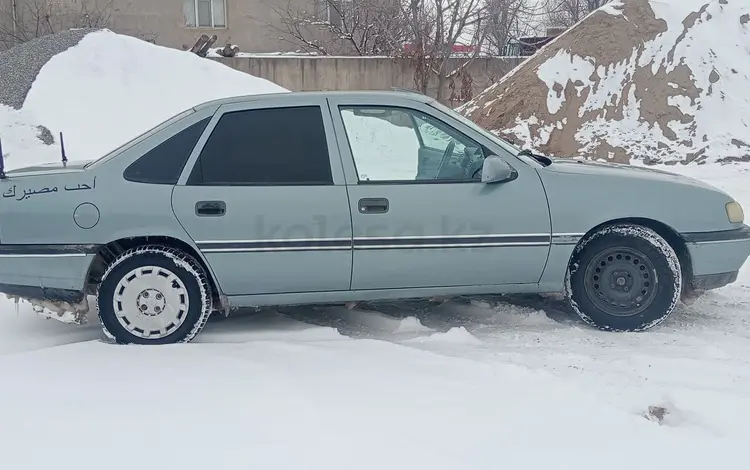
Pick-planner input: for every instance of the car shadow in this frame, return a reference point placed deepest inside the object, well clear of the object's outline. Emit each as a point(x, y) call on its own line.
point(394, 320)
point(489, 316)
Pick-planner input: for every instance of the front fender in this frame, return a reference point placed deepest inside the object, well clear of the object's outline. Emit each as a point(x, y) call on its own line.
point(580, 202)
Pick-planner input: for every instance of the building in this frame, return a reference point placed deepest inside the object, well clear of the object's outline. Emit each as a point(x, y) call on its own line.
point(254, 25)
point(259, 26)
point(527, 46)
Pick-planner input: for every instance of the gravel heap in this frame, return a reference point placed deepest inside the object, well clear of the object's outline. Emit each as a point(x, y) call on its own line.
point(661, 81)
point(20, 64)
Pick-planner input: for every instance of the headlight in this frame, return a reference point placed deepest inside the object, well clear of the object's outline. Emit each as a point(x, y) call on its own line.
point(734, 212)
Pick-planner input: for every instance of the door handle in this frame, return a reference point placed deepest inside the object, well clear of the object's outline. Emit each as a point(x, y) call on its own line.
point(210, 208)
point(375, 205)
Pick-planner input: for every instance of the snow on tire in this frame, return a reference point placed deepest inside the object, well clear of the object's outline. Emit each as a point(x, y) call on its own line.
point(154, 295)
point(624, 278)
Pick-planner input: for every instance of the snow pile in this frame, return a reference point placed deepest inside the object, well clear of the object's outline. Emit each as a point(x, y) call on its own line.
point(102, 90)
point(412, 325)
point(658, 81)
point(456, 335)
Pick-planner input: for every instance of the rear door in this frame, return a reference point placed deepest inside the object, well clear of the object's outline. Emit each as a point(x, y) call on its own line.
point(421, 215)
point(263, 201)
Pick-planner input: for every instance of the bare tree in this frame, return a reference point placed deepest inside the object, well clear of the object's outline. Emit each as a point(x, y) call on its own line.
point(508, 20)
point(349, 27)
point(23, 20)
point(435, 27)
point(566, 13)
point(422, 31)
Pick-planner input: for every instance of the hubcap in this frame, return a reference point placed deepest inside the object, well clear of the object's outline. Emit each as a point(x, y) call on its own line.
point(151, 302)
point(621, 281)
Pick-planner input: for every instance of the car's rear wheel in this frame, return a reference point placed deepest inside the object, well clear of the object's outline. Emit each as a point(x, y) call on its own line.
point(624, 278)
point(154, 295)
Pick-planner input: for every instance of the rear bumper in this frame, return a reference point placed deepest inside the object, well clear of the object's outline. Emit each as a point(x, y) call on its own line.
point(45, 272)
point(717, 257)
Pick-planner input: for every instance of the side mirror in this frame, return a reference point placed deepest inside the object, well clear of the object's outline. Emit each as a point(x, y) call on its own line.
point(497, 170)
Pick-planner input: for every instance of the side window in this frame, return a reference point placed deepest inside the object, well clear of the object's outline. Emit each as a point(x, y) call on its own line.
point(399, 145)
point(164, 163)
point(274, 146)
point(436, 139)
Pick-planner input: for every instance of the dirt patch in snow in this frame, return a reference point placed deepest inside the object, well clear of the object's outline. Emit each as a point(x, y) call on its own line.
point(636, 79)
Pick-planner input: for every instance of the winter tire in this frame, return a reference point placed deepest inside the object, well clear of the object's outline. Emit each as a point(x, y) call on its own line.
point(624, 278)
point(154, 295)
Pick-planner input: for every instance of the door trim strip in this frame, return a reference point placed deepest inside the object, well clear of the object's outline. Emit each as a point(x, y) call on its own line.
point(47, 251)
point(386, 243)
point(433, 237)
point(275, 245)
point(273, 240)
point(273, 249)
point(451, 241)
point(448, 245)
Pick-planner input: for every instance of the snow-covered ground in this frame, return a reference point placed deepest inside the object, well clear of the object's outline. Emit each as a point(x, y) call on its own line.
point(485, 384)
point(490, 383)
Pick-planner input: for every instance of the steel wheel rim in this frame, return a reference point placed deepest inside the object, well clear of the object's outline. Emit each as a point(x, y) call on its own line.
point(621, 281)
point(151, 302)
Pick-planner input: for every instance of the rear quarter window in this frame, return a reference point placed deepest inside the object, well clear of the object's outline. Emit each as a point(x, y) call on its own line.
point(164, 163)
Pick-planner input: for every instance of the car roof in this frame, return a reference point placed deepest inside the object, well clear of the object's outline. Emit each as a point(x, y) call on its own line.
point(365, 94)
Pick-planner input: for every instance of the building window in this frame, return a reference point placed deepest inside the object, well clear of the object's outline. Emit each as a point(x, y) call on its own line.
point(322, 10)
point(334, 11)
point(205, 13)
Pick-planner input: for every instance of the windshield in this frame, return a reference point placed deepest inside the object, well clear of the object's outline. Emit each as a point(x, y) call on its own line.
point(140, 138)
point(507, 146)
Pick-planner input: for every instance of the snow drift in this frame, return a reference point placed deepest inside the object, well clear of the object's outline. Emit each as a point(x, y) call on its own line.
point(107, 89)
point(659, 81)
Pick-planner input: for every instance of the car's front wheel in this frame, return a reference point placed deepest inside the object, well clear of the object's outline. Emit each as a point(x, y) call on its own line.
point(153, 295)
point(624, 278)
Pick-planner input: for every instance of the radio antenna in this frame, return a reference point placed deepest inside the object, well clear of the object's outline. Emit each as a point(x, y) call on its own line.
point(2, 163)
point(62, 147)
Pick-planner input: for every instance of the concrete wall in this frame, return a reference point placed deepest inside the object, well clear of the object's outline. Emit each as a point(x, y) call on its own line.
point(353, 73)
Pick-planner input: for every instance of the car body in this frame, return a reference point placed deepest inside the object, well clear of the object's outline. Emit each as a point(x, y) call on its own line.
point(331, 197)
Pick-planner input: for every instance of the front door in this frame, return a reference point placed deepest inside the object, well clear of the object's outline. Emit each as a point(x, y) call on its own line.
point(421, 216)
point(263, 201)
